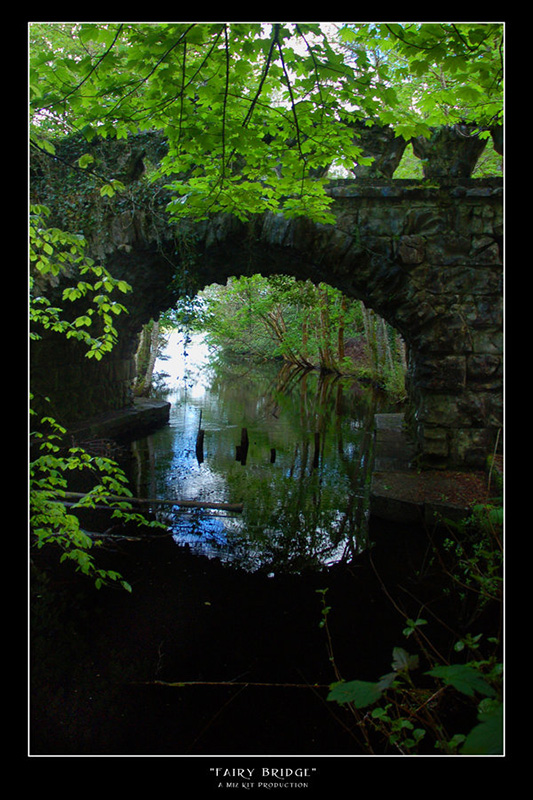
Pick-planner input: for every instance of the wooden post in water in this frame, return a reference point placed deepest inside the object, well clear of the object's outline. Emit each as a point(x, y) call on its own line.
point(200, 441)
point(200, 446)
point(241, 450)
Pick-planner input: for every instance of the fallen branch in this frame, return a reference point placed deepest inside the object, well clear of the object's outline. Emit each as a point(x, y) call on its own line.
point(179, 684)
point(155, 501)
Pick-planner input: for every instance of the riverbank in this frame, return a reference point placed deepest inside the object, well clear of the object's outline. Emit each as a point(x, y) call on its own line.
point(402, 493)
point(145, 414)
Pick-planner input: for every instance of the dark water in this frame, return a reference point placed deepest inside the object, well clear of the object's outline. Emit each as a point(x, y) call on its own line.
point(218, 652)
point(302, 475)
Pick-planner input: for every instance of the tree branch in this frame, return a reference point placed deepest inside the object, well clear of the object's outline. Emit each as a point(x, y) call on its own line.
point(83, 170)
point(156, 65)
point(263, 78)
point(289, 87)
point(225, 101)
point(93, 68)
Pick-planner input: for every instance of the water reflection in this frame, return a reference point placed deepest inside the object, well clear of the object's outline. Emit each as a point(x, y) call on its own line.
point(294, 448)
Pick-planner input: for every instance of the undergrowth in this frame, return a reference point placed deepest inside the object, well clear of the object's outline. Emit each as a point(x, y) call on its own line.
point(429, 703)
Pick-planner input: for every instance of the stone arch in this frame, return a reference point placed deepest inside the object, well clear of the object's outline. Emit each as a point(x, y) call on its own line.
point(427, 258)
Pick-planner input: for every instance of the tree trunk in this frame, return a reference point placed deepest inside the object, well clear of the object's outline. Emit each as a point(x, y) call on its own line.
point(326, 358)
point(340, 333)
point(370, 337)
point(146, 358)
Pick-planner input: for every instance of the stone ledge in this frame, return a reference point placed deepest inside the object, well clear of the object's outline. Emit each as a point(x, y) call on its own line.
point(145, 414)
point(410, 188)
point(401, 493)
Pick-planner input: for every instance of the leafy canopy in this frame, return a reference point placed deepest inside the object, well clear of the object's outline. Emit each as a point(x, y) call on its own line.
point(236, 101)
point(431, 73)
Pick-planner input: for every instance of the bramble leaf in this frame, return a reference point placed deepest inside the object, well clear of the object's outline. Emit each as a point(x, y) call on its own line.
point(487, 737)
point(360, 693)
point(464, 678)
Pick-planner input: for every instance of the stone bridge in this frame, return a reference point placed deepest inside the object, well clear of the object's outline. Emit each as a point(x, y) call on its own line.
point(425, 255)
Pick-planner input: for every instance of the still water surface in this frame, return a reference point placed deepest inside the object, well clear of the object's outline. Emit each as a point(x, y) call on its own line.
point(302, 480)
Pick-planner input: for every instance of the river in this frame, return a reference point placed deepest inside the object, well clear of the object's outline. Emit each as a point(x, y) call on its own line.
point(220, 649)
point(293, 448)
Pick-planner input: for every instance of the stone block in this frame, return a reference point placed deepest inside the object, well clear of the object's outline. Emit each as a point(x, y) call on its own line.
point(485, 250)
point(487, 342)
point(469, 446)
point(425, 220)
point(438, 410)
point(377, 219)
point(433, 441)
point(448, 250)
point(483, 408)
point(412, 249)
point(440, 373)
point(449, 152)
point(482, 220)
point(484, 371)
point(451, 332)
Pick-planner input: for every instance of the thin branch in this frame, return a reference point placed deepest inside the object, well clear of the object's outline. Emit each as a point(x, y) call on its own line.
point(156, 65)
point(83, 170)
point(180, 684)
point(225, 101)
point(293, 104)
point(182, 93)
point(459, 35)
point(93, 68)
point(263, 78)
point(412, 44)
point(311, 53)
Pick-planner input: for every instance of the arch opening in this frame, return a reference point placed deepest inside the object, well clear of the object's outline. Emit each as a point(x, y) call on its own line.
point(308, 326)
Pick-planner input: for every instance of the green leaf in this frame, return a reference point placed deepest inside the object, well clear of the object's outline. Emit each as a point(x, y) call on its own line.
point(402, 661)
point(412, 624)
point(487, 737)
point(85, 160)
point(463, 678)
point(360, 693)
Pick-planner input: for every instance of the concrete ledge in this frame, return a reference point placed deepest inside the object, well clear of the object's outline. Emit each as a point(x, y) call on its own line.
point(144, 415)
point(401, 493)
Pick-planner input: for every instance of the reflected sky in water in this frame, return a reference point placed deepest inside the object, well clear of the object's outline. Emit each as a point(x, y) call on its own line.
point(303, 482)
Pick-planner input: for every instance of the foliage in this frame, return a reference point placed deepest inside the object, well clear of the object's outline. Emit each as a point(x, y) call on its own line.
point(408, 714)
point(430, 74)
point(50, 521)
point(400, 711)
point(406, 709)
point(52, 253)
point(233, 101)
point(253, 113)
point(306, 325)
point(280, 317)
point(476, 550)
point(260, 316)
